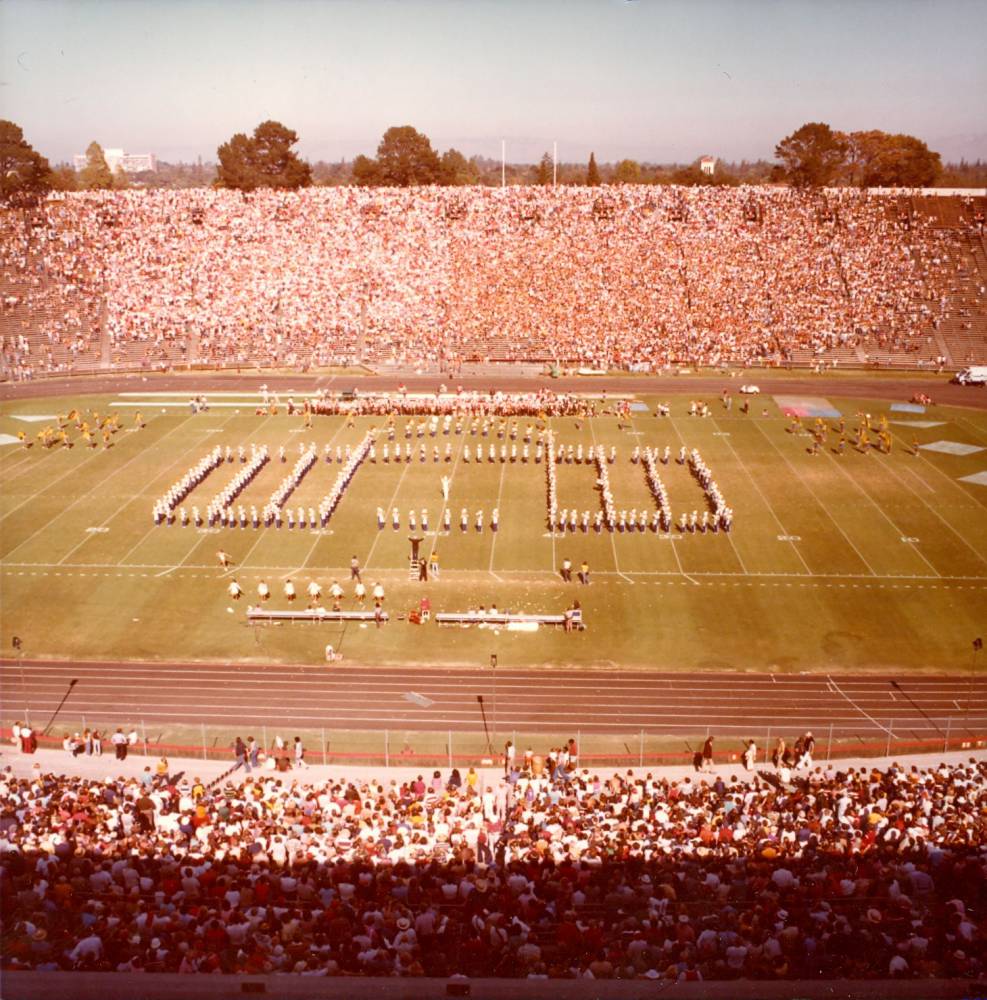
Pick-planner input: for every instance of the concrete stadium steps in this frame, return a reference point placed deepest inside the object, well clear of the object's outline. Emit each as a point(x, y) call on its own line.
point(965, 329)
point(34, 324)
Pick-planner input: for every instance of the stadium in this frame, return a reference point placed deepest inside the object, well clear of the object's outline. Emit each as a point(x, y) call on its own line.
point(493, 589)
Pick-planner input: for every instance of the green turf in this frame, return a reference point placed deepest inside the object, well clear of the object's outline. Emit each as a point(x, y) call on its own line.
point(862, 561)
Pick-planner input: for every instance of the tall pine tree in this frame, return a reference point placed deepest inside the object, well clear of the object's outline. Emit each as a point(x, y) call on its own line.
point(95, 175)
point(592, 172)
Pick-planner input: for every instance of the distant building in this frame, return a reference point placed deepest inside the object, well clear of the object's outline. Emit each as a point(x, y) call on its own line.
point(132, 163)
point(708, 165)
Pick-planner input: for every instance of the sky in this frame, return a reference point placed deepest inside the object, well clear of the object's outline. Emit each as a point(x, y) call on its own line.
point(655, 80)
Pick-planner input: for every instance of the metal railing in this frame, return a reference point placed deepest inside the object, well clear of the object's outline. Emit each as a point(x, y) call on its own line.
point(452, 748)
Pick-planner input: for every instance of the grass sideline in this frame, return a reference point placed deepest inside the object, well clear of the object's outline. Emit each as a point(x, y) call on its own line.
point(859, 562)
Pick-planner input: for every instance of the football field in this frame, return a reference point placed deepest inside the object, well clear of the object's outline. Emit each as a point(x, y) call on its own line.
point(836, 562)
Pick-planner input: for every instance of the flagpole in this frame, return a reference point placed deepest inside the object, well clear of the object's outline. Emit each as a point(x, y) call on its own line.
point(555, 162)
point(503, 162)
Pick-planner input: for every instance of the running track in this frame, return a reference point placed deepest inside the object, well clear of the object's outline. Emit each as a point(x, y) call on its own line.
point(554, 700)
point(858, 386)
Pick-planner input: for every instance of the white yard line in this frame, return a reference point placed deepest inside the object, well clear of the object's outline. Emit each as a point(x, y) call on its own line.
point(920, 480)
point(203, 537)
point(733, 545)
point(609, 528)
point(812, 493)
point(46, 452)
point(308, 555)
point(767, 503)
point(85, 496)
point(154, 527)
point(672, 536)
point(922, 500)
point(15, 463)
point(452, 477)
point(878, 508)
point(976, 430)
point(70, 472)
point(556, 569)
point(387, 514)
point(932, 465)
point(818, 579)
point(500, 493)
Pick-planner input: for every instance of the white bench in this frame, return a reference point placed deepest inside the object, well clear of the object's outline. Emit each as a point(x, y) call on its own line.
point(503, 618)
point(312, 615)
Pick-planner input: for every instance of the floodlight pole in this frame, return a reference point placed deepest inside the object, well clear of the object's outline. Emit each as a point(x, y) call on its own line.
point(493, 670)
point(978, 644)
point(503, 163)
point(18, 645)
point(483, 715)
point(555, 162)
point(72, 684)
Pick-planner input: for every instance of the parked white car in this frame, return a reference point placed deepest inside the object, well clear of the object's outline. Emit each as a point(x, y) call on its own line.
point(750, 390)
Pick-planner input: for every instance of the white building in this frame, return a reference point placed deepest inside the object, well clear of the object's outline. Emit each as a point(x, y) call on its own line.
point(708, 165)
point(132, 163)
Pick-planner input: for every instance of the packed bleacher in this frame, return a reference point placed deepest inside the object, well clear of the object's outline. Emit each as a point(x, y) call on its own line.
point(635, 277)
point(800, 872)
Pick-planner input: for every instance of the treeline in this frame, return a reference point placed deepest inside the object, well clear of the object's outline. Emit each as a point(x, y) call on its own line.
point(814, 155)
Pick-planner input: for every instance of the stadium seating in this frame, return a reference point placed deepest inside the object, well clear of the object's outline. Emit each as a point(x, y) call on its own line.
point(655, 277)
point(557, 873)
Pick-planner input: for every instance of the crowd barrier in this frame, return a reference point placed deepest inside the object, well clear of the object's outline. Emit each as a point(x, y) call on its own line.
point(392, 748)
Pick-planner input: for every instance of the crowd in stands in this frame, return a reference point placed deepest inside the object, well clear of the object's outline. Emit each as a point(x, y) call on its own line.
point(552, 872)
point(631, 276)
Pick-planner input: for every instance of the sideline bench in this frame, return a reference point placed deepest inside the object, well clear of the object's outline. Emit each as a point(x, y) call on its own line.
point(312, 615)
point(503, 618)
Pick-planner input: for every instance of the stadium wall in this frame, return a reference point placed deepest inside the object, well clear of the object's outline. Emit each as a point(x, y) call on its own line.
point(123, 986)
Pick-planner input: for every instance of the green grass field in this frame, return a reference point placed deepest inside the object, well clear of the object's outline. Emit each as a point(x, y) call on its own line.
point(859, 561)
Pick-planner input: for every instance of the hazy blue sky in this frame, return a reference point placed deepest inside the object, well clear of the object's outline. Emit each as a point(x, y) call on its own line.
point(658, 81)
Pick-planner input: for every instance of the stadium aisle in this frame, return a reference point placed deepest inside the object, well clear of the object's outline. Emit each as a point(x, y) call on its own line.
point(60, 762)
